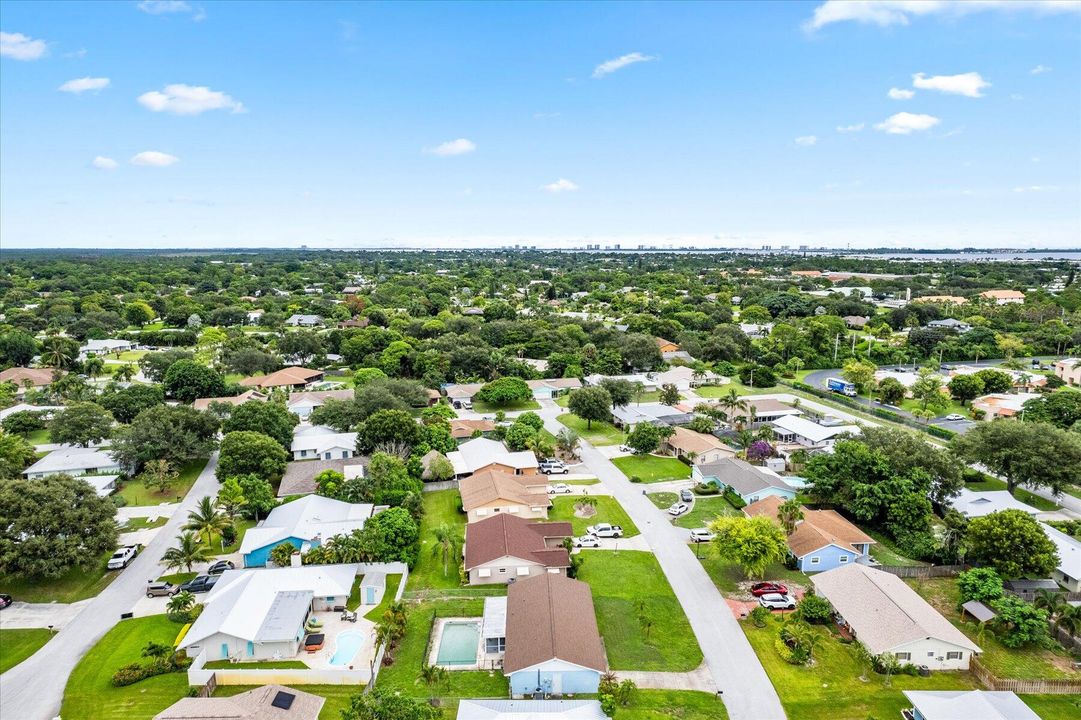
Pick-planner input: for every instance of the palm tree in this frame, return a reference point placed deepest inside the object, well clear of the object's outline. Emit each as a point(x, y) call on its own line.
point(1070, 619)
point(789, 513)
point(231, 498)
point(55, 353)
point(639, 388)
point(157, 650)
point(207, 519)
point(187, 552)
point(94, 366)
point(864, 658)
point(1052, 602)
point(447, 544)
point(433, 675)
point(732, 402)
point(125, 372)
point(567, 442)
point(181, 602)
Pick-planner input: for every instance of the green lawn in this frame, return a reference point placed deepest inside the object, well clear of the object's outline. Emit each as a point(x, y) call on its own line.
point(608, 510)
point(439, 507)
point(337, 696)
point(619, 580)
point(600, 433)
point(1055, 707)
point(76, 584)
point(663, 500)
point(215, 547)
point(388, 598)
point(992, 483)
point(651, 468)
point(674, 705)
point(38, 437)
point(1018, 663)
point(90, 694)
point(832, 688)
point(179, 578)
point(727, 575)
point(887, 553)
point(131, 355)
point(716, 391)
point(409, 656)
point(137, 494)
point(17, 645)
point(954, 407)
point(259, 665)
point(483, 407)
point(142, 523)
point(705, 510)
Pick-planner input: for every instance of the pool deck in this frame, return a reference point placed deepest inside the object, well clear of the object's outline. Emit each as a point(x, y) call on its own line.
point(332, 626)
point(480, 662)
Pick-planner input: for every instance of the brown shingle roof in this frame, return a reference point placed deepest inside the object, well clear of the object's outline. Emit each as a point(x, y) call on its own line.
point(251, 705)
point(36, 376)
point(489, 485)
point(204, 403)
point(818, 528)
point(691, 441)
point(460, 428)
point(551, 616)
point(508, 535)
point(286, 376)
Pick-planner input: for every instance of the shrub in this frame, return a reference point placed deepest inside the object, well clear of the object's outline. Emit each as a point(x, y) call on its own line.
point(815, 610)
point(119, 500)
point(707, 489)
point(228, 534)
point(635, 479)
point(130, 674)
point(734, 499)
point(759, 616)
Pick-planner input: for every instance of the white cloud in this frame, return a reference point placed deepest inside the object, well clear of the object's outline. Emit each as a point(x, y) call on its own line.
point(181, 99)
point(21, 47)
point(904, 123)
point(850, 128)
point(1035, 189)
point(610, 66)
point(1040, 70)
point(153, 158)
point(164, 7)
point(900, 94)
point(461, 146)
point(560, 186)
point(806, 140)
point(900, 12)
point(968, 84)
point(81, 85)
point(104, 163)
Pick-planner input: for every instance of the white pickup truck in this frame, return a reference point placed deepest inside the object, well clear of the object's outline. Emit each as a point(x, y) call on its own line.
point(604, 530)
point(122, 557)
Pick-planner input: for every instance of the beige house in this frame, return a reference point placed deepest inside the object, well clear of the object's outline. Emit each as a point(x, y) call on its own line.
point(491, 492)
point(1004, 297)
point(695, 447)
point(505, 547)
point(1069, 371)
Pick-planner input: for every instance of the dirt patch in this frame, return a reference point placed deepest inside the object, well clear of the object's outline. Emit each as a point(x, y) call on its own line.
point(584, 511)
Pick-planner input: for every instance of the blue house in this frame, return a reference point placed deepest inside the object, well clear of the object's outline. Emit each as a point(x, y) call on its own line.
point(822, 540)
point(552, 642)
point(750, 482)
point(304, 524)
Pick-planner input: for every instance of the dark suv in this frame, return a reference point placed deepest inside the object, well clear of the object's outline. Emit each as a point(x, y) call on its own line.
point(201, 584)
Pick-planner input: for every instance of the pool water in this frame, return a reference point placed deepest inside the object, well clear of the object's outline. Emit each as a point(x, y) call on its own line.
point(346, 646)
point(458, 643)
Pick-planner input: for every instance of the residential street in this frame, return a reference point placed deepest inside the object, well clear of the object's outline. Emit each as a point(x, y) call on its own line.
point(34, 688)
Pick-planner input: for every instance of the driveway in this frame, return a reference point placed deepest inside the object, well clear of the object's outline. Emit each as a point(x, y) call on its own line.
point(40, 615)
point(733, 666)
point(34, 688)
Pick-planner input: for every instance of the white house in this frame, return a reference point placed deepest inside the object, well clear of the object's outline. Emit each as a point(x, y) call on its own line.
point(888, 616)
point(974, 504)
point(794, 429)
point(46, 411)
point(105, 347)
point(480, 453)
point(301, 404)
point(75, 461)
point(1068, 571)
point(260, 614)
point(320, 441)
point(304, 523)
point(254, 316)
point(304, 321)
point(968, 704)
point(530, 710)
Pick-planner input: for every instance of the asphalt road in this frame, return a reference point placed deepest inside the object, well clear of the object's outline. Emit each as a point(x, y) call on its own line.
point(34, 689)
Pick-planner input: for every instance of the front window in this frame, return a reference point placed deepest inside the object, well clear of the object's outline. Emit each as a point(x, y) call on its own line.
point(903, 656)
point(954, 655)
point(844, 559)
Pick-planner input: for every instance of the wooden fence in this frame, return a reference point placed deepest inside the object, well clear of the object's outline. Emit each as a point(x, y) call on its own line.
point(922, 571)
point(1032, 687)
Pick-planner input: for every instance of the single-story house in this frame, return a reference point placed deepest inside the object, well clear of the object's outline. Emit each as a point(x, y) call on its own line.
point(950, 324)
point(1004, 297)
point(24, 377)
point(685, 378)
point(1022, 380)
point(301, 404)
point(105, 347)
point(973, 504)
point(462, 391)
point(1002, 405)
point(74, 461)
point(483, 453)
point(553, 645)
point(1068, 571)
point(320, 441)
point(648, 383)
point(463, 429)
point(856, 322)
point(260, 614)
point(299, 478)
point(666, 346)
point(530, 710)
point(262, 703)
point(822, 540)
point(792, 429)
point(627, 416)
point(304, 320)
point(944, 299)
point(506, 547)
point(697, 448)
point(760, 412)
point(1069, 371)
point(235, 400)
point(491, 492)
point(750, 482)
point(45, 411)
point(254, 316)
point(552, 387)
point(353, 323)
point(304, 523)
point(888, 616)
point(294, 377)
point(968, 705)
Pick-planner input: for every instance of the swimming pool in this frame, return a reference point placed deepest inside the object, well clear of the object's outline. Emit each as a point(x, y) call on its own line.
point(346, 646)
point(458, 643)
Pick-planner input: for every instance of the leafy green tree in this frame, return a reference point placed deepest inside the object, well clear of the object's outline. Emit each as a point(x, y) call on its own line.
point(301, 346)
point(50, 525)
point(387, 482)
point(754, 375)
point(1061, 409)
point(621, 391)
point(391, 536)
point(23, 422)
point(179, 434)
point(342, 415)
point(139, 313)
point(860, 373)
point(126, 403)
point(505, 391)
point(187, 380)
point(158, 475)
point(258, 495)
point(928, 391)
point(1011, 542)
point(81, 424)
point(383, 705)
point(17, 348)
point(752, 543)
point(387, 427)
point(1018, 623)
point(640, 352)
point(891, 391)
point(440, 469)
point(669, 394)
point(363, 376)
point(519, 436)
point(644, 438)
point(965, 388)
point(591, 403)
point(246, 452)
point(995, 381)
point(187, 552)
point(154, 365)
point(906, 451)
point(1034, 454)
point(231, 498)
point(269, 418)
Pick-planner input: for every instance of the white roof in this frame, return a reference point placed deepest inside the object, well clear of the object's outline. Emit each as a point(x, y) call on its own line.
point(494, 624)
point(906, 378)
point(883, 610)
point(1069, 551)
point(530, 710)
point(320, 438)
point(977, 504)
point(479, 452)
point(103, 484)
point(29, 408)
point(72, 460)
point(812, 431)
point(242, 600)
point(307, 518)
point(1007, 401)
point(647, 383)
point(99, 345)
point(965, 704)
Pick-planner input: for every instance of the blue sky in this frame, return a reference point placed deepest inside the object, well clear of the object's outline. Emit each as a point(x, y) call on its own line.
point(729, 124)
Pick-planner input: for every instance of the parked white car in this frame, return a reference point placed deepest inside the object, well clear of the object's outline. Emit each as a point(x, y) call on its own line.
point(701, 535)
point(587, 541)
point(605, 530)
point(955, 416)
point(560, 488)
point(774, 601)
point(122, 557)
point(553, 467)
point(679, 508)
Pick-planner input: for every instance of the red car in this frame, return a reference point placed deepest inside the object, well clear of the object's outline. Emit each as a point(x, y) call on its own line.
point(764, 588)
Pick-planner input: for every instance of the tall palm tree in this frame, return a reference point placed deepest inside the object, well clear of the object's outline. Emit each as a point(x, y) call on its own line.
point(94, 366)
point(55, 353)
point(1052, 602)
point(187, 552)
point(732, 402)
point(447, 544)
point(125, 373)
point(206, 519)
point(789, 513)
